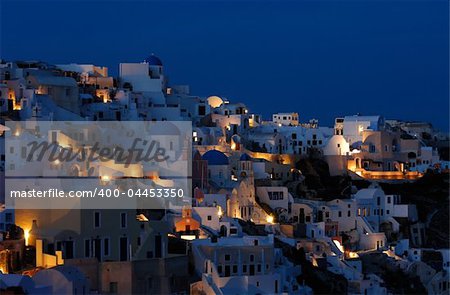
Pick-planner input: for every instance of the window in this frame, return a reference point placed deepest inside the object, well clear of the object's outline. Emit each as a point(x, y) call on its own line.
point(227, 257)
point(276, 195)
point(385, 148)
point(387, 212)
point(209, 217)
point(259, 268)
point(349, 213)
point(123, 220)
point(244, 268)
point(219, 269)
point(96, 219)
point(388, 200)
point(340, 214)
point(202, 110)
point(252, 258)
point(106, 247)
point(235, 268)
point(372, 148)
point(87, 248)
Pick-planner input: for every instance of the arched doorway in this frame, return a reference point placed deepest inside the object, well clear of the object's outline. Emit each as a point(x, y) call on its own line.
point(223, 231)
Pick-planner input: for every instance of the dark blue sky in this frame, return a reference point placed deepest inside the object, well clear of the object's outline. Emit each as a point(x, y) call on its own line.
point(321, 59)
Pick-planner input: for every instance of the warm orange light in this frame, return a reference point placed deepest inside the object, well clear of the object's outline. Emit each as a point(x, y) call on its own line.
point(26, 236)
point(105, 178)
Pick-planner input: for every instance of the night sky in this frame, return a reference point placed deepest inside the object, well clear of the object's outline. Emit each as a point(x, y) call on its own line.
point(322, 59)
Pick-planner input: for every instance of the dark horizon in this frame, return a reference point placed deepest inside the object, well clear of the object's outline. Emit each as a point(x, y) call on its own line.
point(322, 59)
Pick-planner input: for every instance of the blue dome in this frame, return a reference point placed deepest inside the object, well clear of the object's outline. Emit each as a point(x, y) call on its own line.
point(215, 157)
point(153, 60)
point(245, 157)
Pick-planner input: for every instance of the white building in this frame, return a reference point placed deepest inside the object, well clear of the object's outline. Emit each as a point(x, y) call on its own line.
point(376, 207)
point(286, 119)
point(248, 265)
point(353, 126)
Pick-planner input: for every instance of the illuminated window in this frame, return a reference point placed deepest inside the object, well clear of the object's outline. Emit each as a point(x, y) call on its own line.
point(360, 129)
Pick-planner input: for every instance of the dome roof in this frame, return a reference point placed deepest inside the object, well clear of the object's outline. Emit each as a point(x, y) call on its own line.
point(153, 60)
point(215, 101)
point(245, 157)
point(163, 128)
point(215, 157)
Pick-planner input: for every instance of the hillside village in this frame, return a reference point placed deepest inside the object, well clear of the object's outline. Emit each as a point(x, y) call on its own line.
point(278, 206)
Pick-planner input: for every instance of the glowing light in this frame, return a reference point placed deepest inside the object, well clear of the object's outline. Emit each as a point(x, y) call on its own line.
point(56, 162)
point(353, 255)
point(269, 219)
point(338, 245)
point(233, 146)
point(105, 178)
point(219, 212)
point(360, 128)
point(17, 133)
point(26, 236)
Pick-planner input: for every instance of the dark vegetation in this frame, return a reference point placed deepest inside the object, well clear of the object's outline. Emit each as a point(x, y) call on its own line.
point(397, 282)
point(318, 178)
point(431, 196)
point(320, 280)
